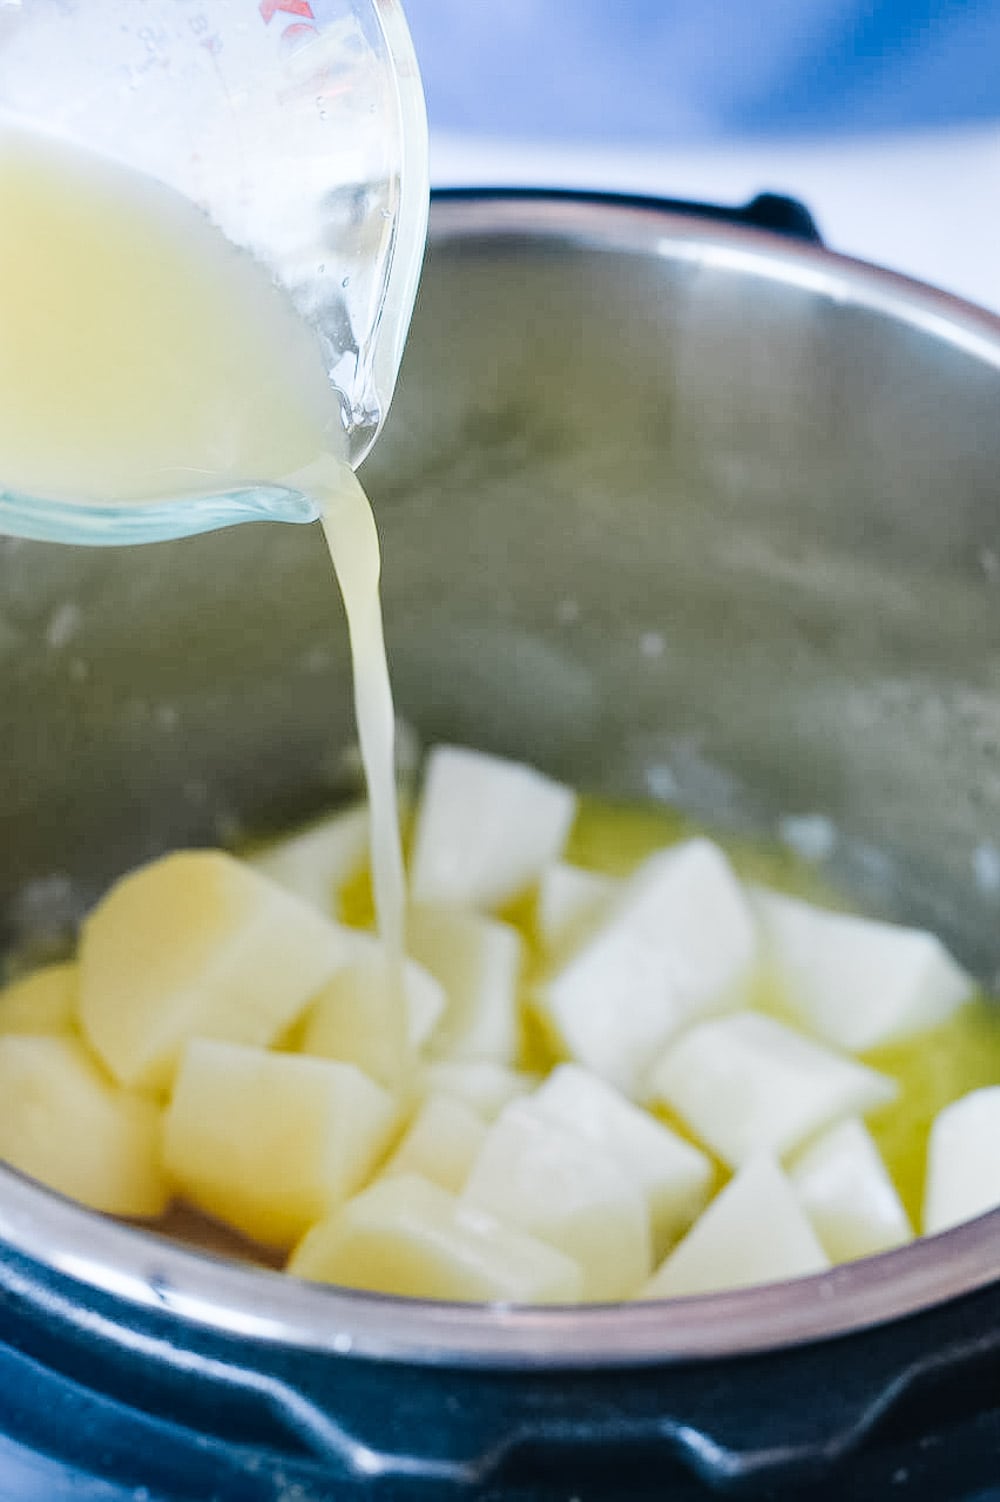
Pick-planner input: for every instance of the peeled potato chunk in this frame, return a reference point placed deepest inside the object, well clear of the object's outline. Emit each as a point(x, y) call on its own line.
point(483, 1086)
point(963, 1161)
point(674, 1176)
point(441, 1143)
point(485, 828)
point(478, 962)
point(679, 943)
point(365, 1016)
point(746, 1084)
point(197, 945)
point(856, 982)
point(44, 1002)
point(318, 861)
point(426, 1001)
point(845, 1189)
point(270, 1142)
point(571, 902)
point(407, 1236)
point(755, 1231)
point(63, 1122)
point(535, 1173)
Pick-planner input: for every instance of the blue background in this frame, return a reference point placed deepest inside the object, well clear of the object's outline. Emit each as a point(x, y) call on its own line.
point(672, 71)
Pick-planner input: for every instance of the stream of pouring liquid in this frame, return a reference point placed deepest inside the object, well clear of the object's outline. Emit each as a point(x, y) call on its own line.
point(352, 537)
point(143, 357)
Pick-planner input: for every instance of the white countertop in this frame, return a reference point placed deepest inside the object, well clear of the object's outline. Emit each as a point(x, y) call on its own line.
point(925, 204)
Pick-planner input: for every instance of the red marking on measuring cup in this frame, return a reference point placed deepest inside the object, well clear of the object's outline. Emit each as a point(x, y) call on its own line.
point(298, 29)
point(269, 8)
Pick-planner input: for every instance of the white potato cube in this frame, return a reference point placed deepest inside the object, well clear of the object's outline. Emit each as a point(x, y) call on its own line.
point(755, 1231)
point(855, 982)
point(270, 1142)
point(845, 1189)
point(441, 1143)
point(674, 1176)
point(486, 828)
point(571, 902)
point(535, 1173)
point(44, 1002)
point(478, 962)
point(365, 1016)
point(317, 862)
point(409, 1237)
point(63, 1122)
point(484, 1087)
point(746, 1084)
point(963, 1161)
point(197, 945)
point(680, 942)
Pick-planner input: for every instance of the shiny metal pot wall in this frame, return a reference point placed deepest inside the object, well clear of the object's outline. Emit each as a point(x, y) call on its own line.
point(673, 510)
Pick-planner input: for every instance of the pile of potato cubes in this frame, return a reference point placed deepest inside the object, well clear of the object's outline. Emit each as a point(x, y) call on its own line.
point(222, 1039)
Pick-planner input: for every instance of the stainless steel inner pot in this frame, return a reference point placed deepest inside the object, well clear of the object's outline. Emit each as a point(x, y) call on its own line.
point(673, 510)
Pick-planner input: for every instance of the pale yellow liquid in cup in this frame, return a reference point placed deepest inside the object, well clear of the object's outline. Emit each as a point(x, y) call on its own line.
point(143, 358)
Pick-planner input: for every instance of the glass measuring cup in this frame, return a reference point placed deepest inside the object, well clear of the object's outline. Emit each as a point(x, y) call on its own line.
point(298, 127)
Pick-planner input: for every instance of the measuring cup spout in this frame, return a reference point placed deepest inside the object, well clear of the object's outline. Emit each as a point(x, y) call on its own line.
point(115, 526)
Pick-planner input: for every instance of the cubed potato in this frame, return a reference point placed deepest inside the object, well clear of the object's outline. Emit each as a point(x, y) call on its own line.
point(271, 1143)
point(535, 1173)
point(963, 1161)
point(62, 1121)
point(318, 861)
point(44, 1002)
point(746, 1084)
point(484, 1087)
point(360, 1018)
point(365, 1016)
point(478, 962)
point(843, 1186)
point(754, 1231)
point(674, 1176)
point(571, 903)
point(855, 982)
point(426, 1001)
point(680, 943)
point(486, 828)
point(441, 1143)
point(410, 1237)
point(197, 945)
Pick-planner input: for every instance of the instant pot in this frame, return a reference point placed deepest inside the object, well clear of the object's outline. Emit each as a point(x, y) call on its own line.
point(675, 508)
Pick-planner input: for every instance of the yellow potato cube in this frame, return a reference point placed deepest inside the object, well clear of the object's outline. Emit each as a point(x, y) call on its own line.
point(197, 945)
point(318, 861)
point(363, 1017)
point(44, 1002)
point(478, 962)
point(407, 1236)
point(441, 1143)
point(269, 1142)
point(483, 1086)
point(63, 1122)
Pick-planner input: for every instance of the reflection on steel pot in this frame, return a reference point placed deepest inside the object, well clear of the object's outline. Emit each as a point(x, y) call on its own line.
point(671, 509)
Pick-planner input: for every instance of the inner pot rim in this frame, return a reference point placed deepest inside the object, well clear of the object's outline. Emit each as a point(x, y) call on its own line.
point(65, 1239)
